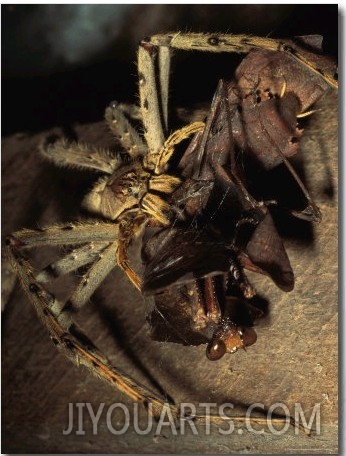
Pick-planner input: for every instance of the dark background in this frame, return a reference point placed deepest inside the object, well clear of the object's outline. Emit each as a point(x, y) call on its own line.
point(65, 63)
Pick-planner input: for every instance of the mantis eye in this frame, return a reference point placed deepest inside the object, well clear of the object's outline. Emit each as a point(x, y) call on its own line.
point(249, 337)
point(216, 349)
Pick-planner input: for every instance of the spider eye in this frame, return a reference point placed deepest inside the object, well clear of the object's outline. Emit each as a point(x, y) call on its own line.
point(216, 349)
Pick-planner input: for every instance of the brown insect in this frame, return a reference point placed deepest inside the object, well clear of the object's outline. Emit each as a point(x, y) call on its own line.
point(136, 191)
point(252, 128)
point(193, 300)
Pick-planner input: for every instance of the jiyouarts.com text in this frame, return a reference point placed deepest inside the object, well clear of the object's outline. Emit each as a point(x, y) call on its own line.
point(118, 417)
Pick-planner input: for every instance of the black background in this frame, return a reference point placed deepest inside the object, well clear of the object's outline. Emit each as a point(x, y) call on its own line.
point(42, 88)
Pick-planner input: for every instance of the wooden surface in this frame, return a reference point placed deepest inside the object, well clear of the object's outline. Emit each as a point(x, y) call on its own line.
point(295, 359)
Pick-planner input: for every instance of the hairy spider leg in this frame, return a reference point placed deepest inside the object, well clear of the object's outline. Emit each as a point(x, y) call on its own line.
point(221, 42)
point(175, 138)
point(125, 133)
point(78, 155)
point(128, 229)
point(100, 252)
point(78, 257)
point(153, 96)
point(86, 157)
point(149, 98)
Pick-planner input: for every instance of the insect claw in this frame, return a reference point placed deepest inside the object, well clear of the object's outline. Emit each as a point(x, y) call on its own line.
point(307, 113)
point(248, 291)
point(310, 213)
point(283, 90)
